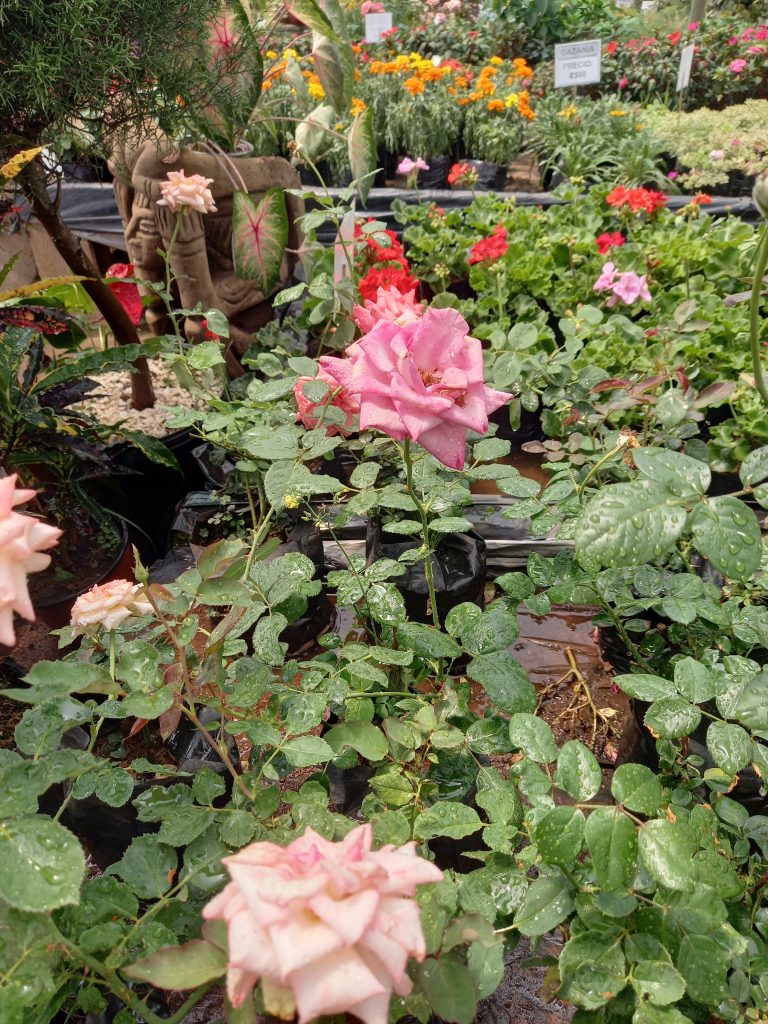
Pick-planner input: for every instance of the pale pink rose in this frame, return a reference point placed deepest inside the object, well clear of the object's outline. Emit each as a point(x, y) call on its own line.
point(390, 305)
point(717, 154)
point(451, 6)
point(107, 606)
point(737, 66)
point(421, 380)
point(440, 18)
point(180, 190)
point(310, 413)
point(327, 927)
point(23, 538)
point(370, 7)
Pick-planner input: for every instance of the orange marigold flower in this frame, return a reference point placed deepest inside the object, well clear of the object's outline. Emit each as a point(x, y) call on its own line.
point(414, 85)
point(357, 107)
point(496, 105)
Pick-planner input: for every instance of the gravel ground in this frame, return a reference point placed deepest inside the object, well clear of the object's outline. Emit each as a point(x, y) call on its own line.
point(112, 402)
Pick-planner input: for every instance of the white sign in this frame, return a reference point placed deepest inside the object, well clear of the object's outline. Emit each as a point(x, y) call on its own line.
point(648, 5)
point(577, 63)
point(376, 25)
point(625, 4)
point(686, 61)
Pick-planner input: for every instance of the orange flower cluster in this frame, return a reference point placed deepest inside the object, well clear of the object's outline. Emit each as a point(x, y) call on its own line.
point(494, 84)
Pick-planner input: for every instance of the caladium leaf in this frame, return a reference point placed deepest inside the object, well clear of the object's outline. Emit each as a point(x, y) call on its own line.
point(308, 12)
point(362, 152)
point(259, 237)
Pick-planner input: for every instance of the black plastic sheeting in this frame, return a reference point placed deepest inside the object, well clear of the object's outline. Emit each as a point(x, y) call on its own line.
point(91, 212)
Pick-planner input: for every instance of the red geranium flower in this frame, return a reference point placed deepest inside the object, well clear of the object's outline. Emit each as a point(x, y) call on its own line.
point(639, 200)
point(126, 292)
point(674, 38)
point(612, 47)
point(373, 252)
point(609, 240)
point(398, 277)
point(490, 248)
point(701, 199)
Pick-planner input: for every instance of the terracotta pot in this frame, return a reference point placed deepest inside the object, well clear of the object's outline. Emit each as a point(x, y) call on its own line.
point(56, 614)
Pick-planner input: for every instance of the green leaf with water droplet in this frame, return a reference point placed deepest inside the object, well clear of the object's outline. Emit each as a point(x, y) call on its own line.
point(612, 840)
point(628, 524)
point(41, 864)
point(578, 771)
point(672, 717)
point(646, 687)
point(754, 468)
point(637, 788)
point(726, 531)
point(505, 681)
point(666, 849)
point(534, 737)
point(679, 474)
point(559, 835)
point(548, 902)
point(730, 746)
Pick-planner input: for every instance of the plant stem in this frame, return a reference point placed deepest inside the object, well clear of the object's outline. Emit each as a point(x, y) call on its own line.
point(761, 260)
point(598, 465)
point(258, 537)
point(421, 508)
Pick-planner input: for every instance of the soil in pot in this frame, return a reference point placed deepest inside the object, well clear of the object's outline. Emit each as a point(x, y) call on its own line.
point(89, 553)
point(458, 567)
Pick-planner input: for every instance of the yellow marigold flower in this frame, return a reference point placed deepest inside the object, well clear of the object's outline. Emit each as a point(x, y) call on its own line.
point(271, 54)
point(358, 107)
point(316, 91)
point(496, 61)
point(495, 105)
point(569, 111)
point(511, 100)
point(290, 52)
point(617, 113)
point(414, 85)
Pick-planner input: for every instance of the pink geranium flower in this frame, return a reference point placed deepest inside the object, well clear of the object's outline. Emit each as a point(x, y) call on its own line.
point(737, 66)
point(328, 928)
point(421, 380)
point(23, 539)
point(390, 304)
point(626, 287)
point(408, 166)
point(310, 412)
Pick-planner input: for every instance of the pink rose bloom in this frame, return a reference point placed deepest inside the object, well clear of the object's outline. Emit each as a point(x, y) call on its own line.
point(733, 40)
point(390, 304)
point(180, 190)
point(693, 26)
point(108, 606)
point(717, 154)
point(369, 7)
point(747, 33)
point(623, 83)
point(23, 539)
point(421, 380)
point(328, 928)
point(440, 18)
point(451, 6)
point(761, 33)
point(310, 413)
point(755, 49)
point(737, 66)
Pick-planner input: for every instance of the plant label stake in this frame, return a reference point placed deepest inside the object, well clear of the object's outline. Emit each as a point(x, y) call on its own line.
point(577, 63)
point(684, 71)
point(376, 25)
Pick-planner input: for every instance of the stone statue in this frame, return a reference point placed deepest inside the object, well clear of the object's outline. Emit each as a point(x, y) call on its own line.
point(201, 258)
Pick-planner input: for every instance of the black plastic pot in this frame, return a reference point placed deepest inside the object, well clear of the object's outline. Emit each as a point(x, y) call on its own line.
point(145, 493)
point(437, 175)
point(309, 177)
point(530, 428)
point(490, 177)
point(458, 567)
